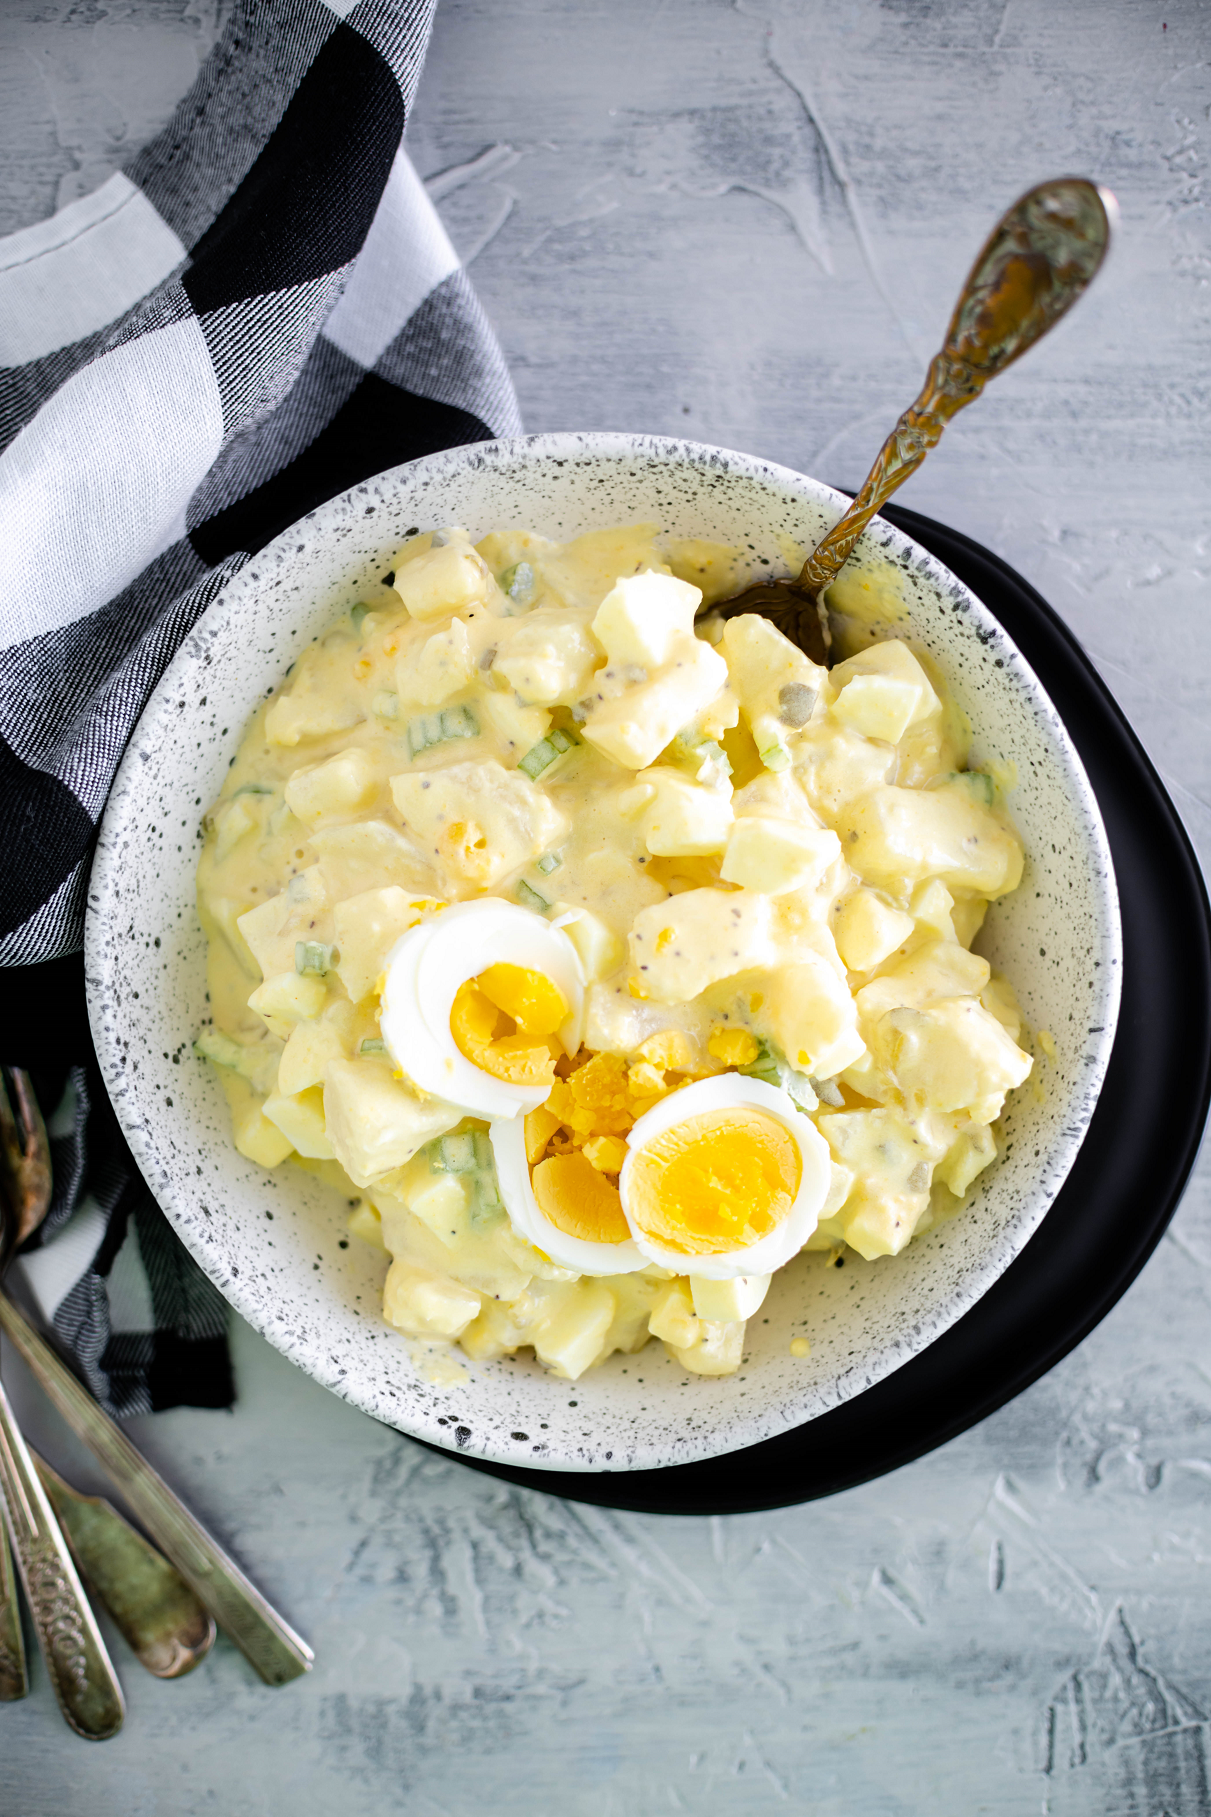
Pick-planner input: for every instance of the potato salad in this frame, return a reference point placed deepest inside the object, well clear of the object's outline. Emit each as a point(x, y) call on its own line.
point(604, 952)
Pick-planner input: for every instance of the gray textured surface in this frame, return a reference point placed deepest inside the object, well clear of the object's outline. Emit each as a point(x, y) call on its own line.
point(747, 223)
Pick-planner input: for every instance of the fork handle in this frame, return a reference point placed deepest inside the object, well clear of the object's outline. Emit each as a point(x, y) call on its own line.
point(266, 1640)
point(79, 1668)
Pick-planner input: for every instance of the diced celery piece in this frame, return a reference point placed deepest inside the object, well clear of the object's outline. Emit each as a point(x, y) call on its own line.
point(312, 958)
point(372, 1045)
point(976, 783)
point(385, 705)
point(459, 722)
point(714, 753)
point(800, 1090)
point(254, 788)
point(487, 1206)
point(543, 754)
point(537, 758)
point(531, 899)
point(771, 1069)
point(357, 614)
point(255, 1061)
point(550, 861)
point(980, 784)
point(517, 582)
point(438, 728)
point(213, 1044)
point(765, 1067)
point(485, 1159)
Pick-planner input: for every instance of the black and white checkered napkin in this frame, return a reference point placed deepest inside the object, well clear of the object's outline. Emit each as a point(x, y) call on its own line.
point(262, 310)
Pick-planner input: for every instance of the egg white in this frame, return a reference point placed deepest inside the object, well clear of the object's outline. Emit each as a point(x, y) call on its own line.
point(425, 968)
point(529, 1221)
point(731, 1091)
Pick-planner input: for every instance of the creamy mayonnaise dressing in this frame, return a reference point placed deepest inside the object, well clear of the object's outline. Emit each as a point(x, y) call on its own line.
point(690, 861)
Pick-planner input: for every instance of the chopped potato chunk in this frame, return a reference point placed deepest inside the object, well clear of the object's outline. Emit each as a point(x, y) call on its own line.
point(680, 947)
point(442, 581)
point(679, 817)
point(634, 725)
point(641, 618)
point(376, 1122)
point(476, 822)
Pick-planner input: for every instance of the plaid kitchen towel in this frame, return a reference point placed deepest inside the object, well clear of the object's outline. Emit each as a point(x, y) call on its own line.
point(260, 311)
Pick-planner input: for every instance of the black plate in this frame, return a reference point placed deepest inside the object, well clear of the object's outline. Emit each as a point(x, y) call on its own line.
point(1124, 1185)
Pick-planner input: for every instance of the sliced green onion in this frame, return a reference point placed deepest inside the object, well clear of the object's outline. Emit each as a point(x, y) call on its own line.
point(438, 728)
point(531, 899)
point(385, 705)
point(372, 1045)
point(253, 788)
point(312, 959)
point(543, 754)
point(550, 861)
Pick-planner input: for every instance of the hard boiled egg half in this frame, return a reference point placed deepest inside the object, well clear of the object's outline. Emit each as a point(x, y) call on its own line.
point(725, 1178)
point(478, 1002)
point(574, 1216)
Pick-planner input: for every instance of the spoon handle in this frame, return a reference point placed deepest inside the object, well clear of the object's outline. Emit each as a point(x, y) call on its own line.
point(14, 1678)
point(79, 1668)
point(160, 1618)
point(266, 1640)
point(1039, 258)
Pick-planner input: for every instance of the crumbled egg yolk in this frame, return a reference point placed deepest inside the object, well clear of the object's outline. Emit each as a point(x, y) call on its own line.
point(715, 1183)
point(734, 1046)
point(503, 1019)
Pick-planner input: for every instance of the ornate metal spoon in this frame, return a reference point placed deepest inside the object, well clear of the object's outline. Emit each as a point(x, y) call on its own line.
point(266, 1640)
point(160, 1618)
point(1039, 258)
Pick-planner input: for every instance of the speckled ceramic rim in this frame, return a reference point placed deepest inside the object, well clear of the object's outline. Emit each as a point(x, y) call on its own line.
point(143, 963)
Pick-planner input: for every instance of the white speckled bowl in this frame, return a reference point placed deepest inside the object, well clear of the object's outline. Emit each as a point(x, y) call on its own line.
point(273, 1242)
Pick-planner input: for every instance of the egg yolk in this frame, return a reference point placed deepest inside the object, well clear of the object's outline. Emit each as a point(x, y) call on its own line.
point(577, 1199)
point(715, 1183)
point(502, 1020)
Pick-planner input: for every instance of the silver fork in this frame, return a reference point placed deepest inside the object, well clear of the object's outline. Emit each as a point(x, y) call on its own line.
point(265, 1638)
point(77, 1663)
